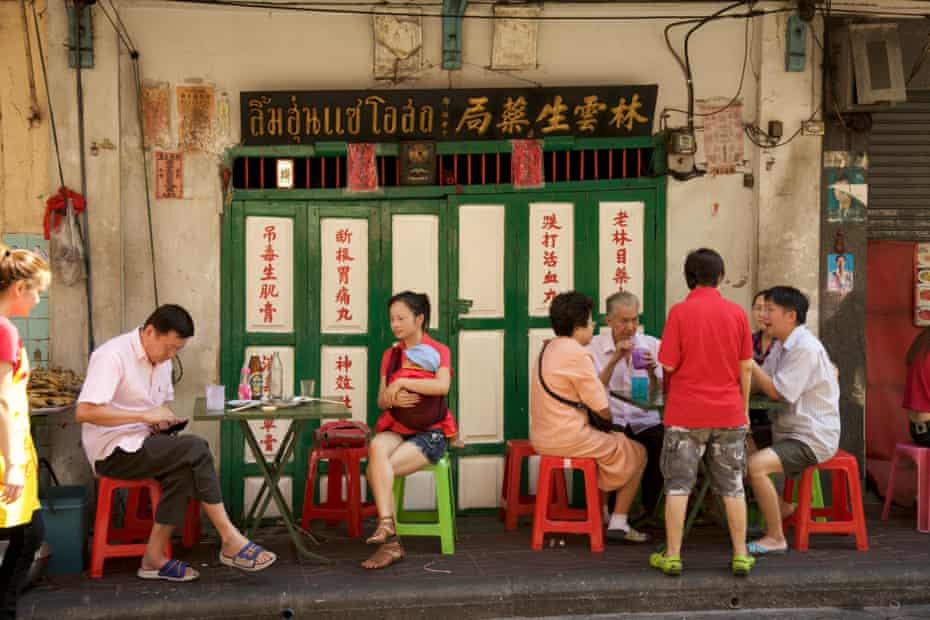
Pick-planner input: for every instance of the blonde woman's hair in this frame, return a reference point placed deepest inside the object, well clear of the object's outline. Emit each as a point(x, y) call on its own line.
point(17, 265)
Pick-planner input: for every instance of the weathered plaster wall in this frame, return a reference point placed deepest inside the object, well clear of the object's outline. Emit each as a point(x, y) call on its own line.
point(24, 146)
point(789, 175)
point(242, 49)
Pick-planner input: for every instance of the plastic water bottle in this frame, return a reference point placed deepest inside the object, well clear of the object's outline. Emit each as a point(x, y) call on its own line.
point(245, 392)
point(277, 377)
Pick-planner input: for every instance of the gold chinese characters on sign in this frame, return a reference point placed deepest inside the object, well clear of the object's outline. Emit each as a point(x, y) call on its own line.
point(435, 115)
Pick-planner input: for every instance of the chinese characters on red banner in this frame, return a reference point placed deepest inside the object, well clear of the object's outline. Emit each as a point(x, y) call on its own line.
point(549, 240)
point(268, 294)
point(344, 260)
point(621, 239)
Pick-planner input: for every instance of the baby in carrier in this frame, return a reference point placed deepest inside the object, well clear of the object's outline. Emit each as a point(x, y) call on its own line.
point(417, 362)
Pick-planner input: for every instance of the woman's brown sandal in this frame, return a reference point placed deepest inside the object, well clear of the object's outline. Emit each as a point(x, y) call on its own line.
point(385, 531)
point(386, 555)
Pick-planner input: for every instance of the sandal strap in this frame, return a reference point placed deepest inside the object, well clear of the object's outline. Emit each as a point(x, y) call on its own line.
point(173, 568)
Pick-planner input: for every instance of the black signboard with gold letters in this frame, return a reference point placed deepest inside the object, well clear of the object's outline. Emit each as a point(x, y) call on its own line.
point(289, 117)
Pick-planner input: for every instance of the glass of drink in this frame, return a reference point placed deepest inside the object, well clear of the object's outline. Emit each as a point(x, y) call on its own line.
point(307, 387)
point(216, 397)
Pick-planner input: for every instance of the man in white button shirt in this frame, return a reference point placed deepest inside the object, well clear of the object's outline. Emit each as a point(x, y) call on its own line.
point(613, 359)
point(123, 414)
point(799, 371)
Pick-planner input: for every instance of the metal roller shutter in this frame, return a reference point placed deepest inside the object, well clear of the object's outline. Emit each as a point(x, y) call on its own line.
point(899, 171)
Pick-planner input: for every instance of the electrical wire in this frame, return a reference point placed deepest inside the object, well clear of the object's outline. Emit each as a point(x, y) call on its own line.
point(307, 8)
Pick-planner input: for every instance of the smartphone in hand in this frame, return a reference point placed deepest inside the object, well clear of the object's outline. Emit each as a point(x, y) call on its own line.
point(175, 428)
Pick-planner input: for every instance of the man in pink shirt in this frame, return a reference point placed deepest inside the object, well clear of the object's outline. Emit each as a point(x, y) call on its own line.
point(706, 352)
point(124, 422)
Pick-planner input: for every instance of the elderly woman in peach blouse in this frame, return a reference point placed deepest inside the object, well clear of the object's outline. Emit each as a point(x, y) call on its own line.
point(559, 429)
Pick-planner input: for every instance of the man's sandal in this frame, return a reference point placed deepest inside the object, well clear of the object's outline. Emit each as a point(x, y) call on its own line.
point(385, 531)
point(247, 558)
point(741, 565)
point(172, 570)
point(668, 564)
point(387, 554)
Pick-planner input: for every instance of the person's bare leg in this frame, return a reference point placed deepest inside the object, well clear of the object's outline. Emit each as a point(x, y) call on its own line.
point(381, 472)
point(232, 539)
point(675, 508)
point(406, 459)
point(736, 520)
point(627, 493)
point(154, 557)
point(761, 465)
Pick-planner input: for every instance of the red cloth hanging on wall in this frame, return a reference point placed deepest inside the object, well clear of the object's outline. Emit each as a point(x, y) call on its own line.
point(56, 207)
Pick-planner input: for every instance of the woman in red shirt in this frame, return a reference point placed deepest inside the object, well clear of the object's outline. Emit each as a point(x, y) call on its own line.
point(410, 436)
point(917, 388)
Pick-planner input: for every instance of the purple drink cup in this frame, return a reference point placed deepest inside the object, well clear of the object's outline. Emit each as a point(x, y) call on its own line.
point(639, 359)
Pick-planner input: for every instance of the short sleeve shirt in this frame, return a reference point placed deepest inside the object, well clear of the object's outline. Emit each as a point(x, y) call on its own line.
point(602, 347)
point(805, 378)
point(705, 339)
point(120, 375)
point(917, 385)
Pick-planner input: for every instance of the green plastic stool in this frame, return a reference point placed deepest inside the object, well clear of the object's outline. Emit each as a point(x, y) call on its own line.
point(439, 522)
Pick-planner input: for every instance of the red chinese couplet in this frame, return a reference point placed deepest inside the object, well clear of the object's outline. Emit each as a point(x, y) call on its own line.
point(362, 171)
point(526, 163)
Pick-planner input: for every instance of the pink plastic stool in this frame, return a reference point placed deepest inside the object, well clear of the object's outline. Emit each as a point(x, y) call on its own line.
point(921, 457)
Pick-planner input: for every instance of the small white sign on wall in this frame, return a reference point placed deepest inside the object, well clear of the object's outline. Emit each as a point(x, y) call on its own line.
point(552, 253)
point(621, 241)
point(344, 290)
point(269, 282)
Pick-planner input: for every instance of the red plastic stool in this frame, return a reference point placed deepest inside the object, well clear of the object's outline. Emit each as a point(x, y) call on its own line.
point(592, 524)
point(101, 547)
point(921, 458)
point(335, 509)
point(513, 503)
point(842, 520)
point(137, 520)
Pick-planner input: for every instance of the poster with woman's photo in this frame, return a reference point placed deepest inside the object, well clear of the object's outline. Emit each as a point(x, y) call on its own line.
point(840, 270)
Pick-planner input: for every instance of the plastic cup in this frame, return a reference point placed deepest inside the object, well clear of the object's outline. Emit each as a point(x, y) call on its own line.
point(307, 387)
point(639, 359)
point(216, 397)
point(640, 388)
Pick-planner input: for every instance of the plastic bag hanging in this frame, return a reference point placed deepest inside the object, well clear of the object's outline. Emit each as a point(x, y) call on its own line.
point(65, 234)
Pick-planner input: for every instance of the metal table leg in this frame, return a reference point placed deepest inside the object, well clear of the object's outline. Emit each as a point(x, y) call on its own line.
point(271, 479)
point(260, 503)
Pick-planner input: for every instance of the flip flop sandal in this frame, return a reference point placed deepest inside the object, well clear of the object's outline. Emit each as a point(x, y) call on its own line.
point(172, 570)
point(247, 558)
point(741, 565)
point(626, 536)
point(386, 555)
point(755, 548)
point(668, 564)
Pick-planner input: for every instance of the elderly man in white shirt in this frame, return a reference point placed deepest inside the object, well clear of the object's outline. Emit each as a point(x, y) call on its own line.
point(613, 359)
point(126, 432)
point(798, 371)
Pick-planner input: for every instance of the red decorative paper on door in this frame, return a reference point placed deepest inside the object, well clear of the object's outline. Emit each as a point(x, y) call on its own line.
point(169, 175)
point(362, 171)
point(526, 164)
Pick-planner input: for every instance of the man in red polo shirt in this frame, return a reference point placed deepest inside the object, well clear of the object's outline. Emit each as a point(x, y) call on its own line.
point(706, 352)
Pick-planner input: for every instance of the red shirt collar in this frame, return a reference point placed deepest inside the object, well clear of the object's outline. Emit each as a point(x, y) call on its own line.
point(704, 291)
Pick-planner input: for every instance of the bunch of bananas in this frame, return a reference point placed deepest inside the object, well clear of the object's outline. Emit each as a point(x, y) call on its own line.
point(54, 387)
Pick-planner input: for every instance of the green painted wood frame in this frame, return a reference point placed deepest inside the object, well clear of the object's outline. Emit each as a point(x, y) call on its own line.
point(379, 207)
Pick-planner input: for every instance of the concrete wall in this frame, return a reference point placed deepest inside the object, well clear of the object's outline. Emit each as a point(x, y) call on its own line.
point(24, 145)
point(244, 49)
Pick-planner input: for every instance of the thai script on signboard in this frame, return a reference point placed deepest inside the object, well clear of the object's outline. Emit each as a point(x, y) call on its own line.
point(285, 117)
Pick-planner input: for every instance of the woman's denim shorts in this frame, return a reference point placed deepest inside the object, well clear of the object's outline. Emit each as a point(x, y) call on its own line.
point(431, 443)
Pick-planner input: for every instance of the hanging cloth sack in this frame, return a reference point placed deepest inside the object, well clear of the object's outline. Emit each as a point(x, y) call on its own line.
point(63, 229)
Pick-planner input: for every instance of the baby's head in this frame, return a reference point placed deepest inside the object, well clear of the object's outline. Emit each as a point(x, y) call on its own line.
point(423, 356)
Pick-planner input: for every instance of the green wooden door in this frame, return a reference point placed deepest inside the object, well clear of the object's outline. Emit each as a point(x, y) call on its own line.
point(511, 254)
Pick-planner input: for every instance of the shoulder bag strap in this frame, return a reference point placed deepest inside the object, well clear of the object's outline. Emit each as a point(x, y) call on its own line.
point(564, 401)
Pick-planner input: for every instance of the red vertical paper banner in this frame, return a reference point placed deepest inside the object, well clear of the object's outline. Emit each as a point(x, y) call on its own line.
point(526, 163)
point(362, 171)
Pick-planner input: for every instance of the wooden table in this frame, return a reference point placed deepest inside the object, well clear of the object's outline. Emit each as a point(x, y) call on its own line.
point(657, 403)
point(298, 417)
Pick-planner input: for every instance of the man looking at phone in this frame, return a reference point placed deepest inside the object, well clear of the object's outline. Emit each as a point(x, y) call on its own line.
point(127, 433)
